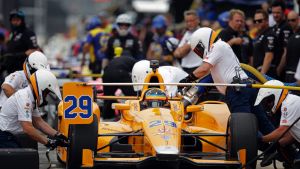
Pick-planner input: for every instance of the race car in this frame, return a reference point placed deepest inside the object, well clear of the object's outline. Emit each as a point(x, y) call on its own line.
point(154, 130)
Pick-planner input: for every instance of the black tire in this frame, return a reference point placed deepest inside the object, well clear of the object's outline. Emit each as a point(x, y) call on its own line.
point(82, 136)
point(242, 130)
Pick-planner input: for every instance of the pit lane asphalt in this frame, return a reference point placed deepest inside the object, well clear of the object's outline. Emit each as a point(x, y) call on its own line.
point(44, 164)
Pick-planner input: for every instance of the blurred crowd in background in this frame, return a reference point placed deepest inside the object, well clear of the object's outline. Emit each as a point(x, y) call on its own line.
point(89, 43)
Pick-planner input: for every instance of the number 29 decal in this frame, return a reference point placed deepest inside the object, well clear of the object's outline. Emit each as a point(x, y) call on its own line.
point(81, 106)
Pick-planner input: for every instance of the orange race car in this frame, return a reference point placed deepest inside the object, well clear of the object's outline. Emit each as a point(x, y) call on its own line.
point(154, 130)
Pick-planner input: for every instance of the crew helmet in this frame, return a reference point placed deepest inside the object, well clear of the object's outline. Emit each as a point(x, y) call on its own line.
point(270, 97)
point(155, 97)
point(36, 60)
point(44, 83)
point(159, 21)
point(202, 39)
point(223, 19)
point(123, 19)
point(139, 73)
point(93, 23)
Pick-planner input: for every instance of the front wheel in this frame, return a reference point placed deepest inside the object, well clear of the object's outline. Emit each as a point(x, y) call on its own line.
point(242, 131)
point(81, 136)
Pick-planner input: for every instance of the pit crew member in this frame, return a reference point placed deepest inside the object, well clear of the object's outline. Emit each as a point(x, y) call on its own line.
point(287, 105)
point(170, 74)
point(20, 79)
point(20, 114)
point(220, 61)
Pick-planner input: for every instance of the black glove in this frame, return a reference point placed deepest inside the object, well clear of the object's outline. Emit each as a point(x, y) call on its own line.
point(61, 137)
point(58, 140)
point(61, 140)
point(189, 79)
point(51, 144)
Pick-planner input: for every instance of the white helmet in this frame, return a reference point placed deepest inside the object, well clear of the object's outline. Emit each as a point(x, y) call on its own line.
point(139, 73)
point(278, 94)
point(44, 83)
point(172, 43)
point(123, 19)
point(36, 60)
point(201, 41)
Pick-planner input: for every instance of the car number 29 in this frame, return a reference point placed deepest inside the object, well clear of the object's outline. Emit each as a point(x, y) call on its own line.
point(84, 103)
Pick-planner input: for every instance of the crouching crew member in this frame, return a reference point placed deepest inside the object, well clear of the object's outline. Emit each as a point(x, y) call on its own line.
point(20, 114)
point(280, 101)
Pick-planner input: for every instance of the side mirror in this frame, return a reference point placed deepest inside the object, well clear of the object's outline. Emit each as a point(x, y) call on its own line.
point(194, 108)
point(120, 106)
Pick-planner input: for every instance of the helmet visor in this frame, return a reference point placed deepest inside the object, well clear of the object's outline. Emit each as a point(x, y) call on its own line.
point(49, 97)
point(268, 103)
point(123, 24)
point(155, 103)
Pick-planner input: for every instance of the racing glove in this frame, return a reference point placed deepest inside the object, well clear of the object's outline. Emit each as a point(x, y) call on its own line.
point(51, 144)
point(60, 136)
point(58, 140)
point(61, 140)
point(189, 79)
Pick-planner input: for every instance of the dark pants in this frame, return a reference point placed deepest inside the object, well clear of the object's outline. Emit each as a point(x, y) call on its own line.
point(290, 77)
point(8, 140)
point(96, 67)
point(243, 102)
point(115, 77)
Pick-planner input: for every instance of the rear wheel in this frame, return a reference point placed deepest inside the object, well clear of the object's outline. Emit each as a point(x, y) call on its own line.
point(82, 136)
point(242, 130)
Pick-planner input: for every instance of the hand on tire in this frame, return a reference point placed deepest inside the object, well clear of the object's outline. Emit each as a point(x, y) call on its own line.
point(61, 140)
point(58, 140)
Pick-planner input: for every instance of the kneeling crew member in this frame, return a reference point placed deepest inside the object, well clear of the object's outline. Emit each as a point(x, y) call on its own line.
point(20, 114)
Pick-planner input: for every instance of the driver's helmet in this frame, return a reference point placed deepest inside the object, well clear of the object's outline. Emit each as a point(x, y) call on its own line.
point(155, 97)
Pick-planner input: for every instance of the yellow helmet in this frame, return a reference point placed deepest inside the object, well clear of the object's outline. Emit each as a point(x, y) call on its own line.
point(155, 97)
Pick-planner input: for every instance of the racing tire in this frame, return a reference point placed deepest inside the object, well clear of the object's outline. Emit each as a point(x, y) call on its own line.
point(242, 130)
point(81, 136)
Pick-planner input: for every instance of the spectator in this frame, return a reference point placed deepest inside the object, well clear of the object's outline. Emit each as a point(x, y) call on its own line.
point(157, 48)
point(292, 56)
point(283, 32)
point(266, 7)
point(21, 43)
point(231, 34)
point(104, 17)
point(265, 55)
point(95, 45)
point(124, 38)
point(189, 60)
